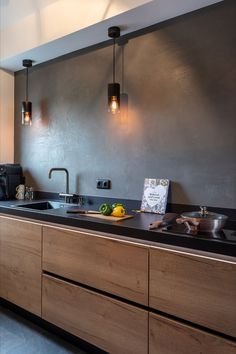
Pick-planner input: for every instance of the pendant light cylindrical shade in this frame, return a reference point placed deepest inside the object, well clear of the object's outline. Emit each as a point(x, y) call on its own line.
point(26, 113)
point(114, 97)
point(114, 87)
point(26, 107)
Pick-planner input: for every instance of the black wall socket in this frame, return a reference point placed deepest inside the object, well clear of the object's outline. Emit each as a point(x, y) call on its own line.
point(103, 183)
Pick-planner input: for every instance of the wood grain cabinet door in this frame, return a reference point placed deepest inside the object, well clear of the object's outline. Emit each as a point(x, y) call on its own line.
point(109, 324)
point(196, 288)
point(116, 267)
point(20, 263)
point(171, 337)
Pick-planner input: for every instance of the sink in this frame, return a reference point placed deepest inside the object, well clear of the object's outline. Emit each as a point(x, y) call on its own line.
point(44, 205)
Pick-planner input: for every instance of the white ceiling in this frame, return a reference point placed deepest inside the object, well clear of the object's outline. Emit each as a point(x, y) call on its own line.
point(13, 11)
point(71, 28)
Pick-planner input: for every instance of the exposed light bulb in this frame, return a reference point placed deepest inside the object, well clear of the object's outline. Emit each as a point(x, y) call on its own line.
point(114, 107)
point(26, 117)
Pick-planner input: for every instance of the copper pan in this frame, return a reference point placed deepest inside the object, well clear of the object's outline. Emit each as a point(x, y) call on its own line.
point(203, 220)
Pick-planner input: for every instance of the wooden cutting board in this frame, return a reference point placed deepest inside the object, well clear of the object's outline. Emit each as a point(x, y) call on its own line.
point(110, 218)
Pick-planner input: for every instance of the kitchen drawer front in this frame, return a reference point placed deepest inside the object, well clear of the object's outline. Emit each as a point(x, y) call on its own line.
point(20, 263)
point(115, 267)
point(171, 337)
point(196, 288)
point(109, 324)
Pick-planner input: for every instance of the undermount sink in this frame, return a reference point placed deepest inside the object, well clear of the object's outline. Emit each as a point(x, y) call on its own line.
point(44, 205)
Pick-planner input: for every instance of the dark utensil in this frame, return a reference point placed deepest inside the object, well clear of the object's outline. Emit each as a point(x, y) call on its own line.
point(81, 211)
point(167, 219)
point(203, 220)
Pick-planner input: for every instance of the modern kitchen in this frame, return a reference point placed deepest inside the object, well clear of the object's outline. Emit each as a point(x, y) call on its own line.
point(117, 176)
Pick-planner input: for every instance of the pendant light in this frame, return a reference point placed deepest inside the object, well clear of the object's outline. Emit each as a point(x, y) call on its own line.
point(114, 87)
point(26, 110)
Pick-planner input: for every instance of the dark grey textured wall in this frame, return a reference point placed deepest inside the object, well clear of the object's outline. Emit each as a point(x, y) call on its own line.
point(180, 81)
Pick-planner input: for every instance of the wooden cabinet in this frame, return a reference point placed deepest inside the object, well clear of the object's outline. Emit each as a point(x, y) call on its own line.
point(20, 263)
point(112, 325)
point(196, 288)
point(116, 267)
point(171, 337)
point(199, 289)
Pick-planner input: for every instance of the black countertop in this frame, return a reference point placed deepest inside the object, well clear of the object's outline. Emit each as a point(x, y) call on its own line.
point(135, 228)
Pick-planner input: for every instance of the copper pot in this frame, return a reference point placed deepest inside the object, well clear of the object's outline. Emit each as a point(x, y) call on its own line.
point(203, 220)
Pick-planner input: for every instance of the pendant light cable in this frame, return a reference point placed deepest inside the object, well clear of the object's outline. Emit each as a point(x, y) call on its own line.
point(114, 60)
point(27, 84)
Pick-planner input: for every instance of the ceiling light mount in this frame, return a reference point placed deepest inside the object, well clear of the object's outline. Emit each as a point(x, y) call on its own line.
point(27, 63)
point(114, 32)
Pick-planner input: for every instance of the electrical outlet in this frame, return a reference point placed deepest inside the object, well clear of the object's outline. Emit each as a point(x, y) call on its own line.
point(103, 183)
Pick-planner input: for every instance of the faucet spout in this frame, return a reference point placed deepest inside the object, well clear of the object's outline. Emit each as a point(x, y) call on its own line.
point(63, 170)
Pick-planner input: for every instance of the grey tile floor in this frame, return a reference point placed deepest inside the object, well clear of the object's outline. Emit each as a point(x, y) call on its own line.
point(20, 336)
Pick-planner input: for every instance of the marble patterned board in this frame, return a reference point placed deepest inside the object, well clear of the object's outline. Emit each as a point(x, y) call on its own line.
point(155, 193)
